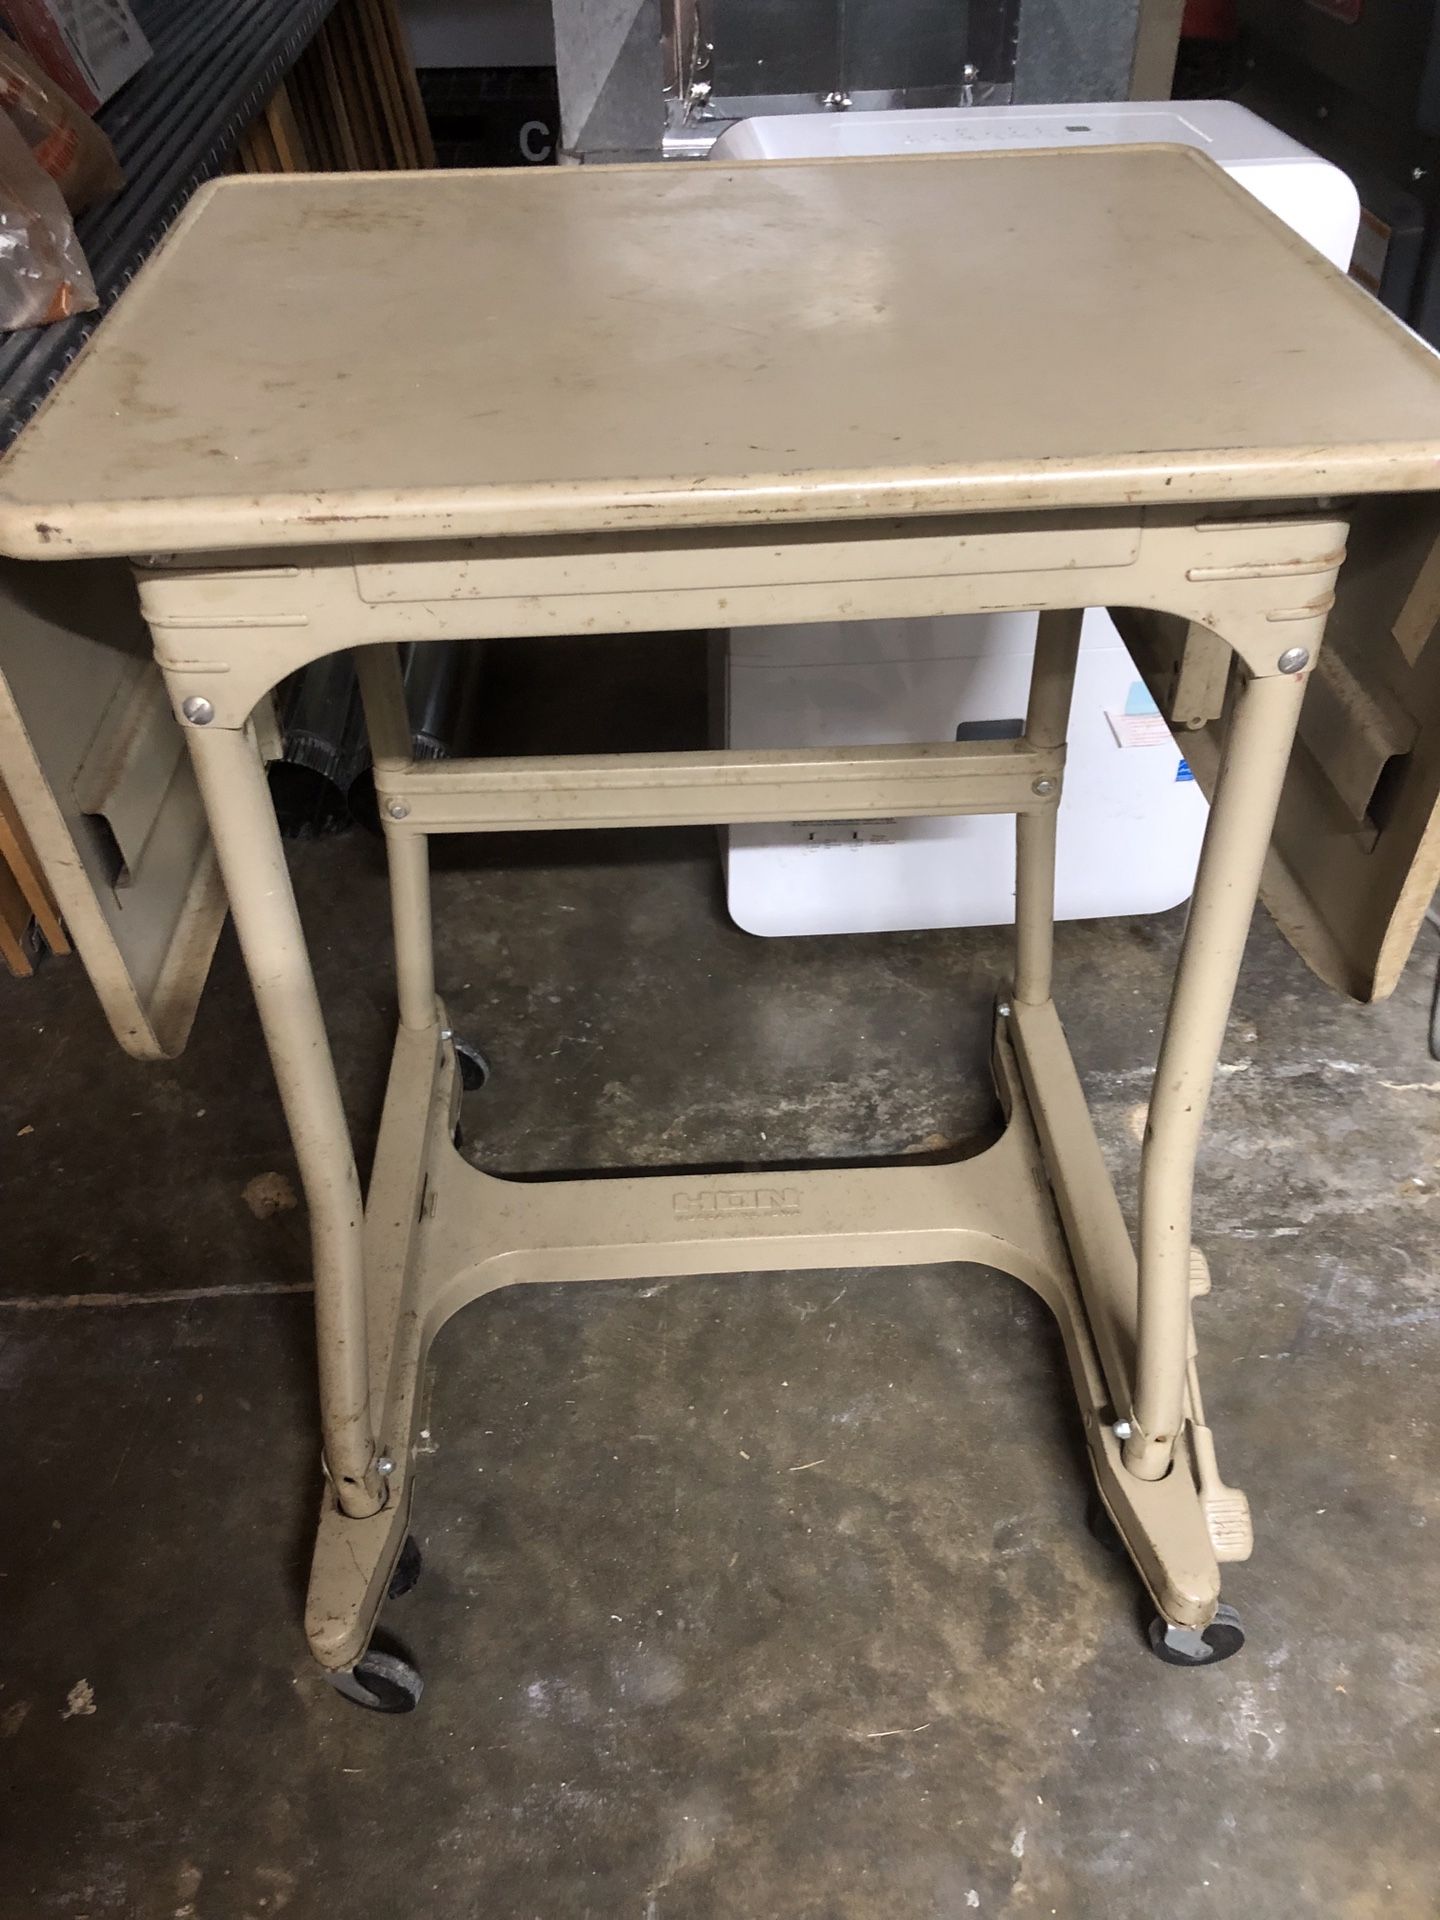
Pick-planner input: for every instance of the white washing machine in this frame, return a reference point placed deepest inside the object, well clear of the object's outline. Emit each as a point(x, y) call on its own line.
point(1131, 820)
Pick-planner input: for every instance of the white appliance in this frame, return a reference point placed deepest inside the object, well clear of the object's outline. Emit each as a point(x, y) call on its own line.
point(1131, 820)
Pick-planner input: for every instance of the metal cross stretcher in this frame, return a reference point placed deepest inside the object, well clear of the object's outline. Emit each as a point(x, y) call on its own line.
point(360, 412)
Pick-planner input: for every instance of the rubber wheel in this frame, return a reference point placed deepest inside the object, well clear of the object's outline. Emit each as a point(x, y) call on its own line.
point(380, 1682)
point(407, 1571)
point(474, 1067)
point(1184, 1647)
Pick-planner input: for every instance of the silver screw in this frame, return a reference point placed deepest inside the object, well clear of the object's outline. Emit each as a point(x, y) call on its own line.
point(1294, 660)
point(1122, 1429)
point(198, 710)
point(385, 1465)
point(1043, 787)
point(1002, 1007)
point(397, 809)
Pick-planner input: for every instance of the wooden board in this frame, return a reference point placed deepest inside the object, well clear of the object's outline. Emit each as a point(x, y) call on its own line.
point(350, 103)
point(285, 134)
point(404, 68)
point(18, 856)
point(17, 936)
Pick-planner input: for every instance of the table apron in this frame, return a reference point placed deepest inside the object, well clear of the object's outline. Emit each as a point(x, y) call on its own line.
point(228, 627)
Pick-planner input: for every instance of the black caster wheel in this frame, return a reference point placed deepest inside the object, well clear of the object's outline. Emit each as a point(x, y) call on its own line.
point(1202, 1647)
point(1102, 1527)
point(381, 1682)
point(407, 1571)
point(474, 1067)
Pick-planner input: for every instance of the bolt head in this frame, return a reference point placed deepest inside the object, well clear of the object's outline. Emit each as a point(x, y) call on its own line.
point(197, 710)
point(1044, 787)
point(1002, 1007)
point(1122, 1429)
point(385, 1465)
point(1294, 660)
point(397, 809)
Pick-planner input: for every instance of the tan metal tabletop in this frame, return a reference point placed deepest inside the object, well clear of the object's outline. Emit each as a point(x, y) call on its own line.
point(402, 357)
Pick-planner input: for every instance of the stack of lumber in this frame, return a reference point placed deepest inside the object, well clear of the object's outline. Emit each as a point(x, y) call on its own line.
point(351, 102)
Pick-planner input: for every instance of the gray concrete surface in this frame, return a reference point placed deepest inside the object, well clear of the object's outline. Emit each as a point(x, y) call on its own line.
point(764, 1598)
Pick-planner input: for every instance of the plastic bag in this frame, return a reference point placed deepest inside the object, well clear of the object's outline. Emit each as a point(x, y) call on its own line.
point(65, 140)
point(43, 275)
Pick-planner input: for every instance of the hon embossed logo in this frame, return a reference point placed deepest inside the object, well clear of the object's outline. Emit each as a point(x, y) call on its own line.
point(726, 1203)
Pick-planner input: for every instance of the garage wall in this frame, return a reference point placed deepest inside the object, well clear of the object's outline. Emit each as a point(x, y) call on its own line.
point(481, 33)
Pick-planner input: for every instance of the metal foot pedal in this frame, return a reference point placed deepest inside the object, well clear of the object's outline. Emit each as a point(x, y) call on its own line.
point(1226, 1510)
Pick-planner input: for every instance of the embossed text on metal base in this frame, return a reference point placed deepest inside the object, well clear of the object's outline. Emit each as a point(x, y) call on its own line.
point(719, 1203)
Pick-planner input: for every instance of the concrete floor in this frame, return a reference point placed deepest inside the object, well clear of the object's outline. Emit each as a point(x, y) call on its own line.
point(763, 1598)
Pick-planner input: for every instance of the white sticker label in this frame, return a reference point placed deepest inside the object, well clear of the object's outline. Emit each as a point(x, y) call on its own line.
point(1139, 729)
